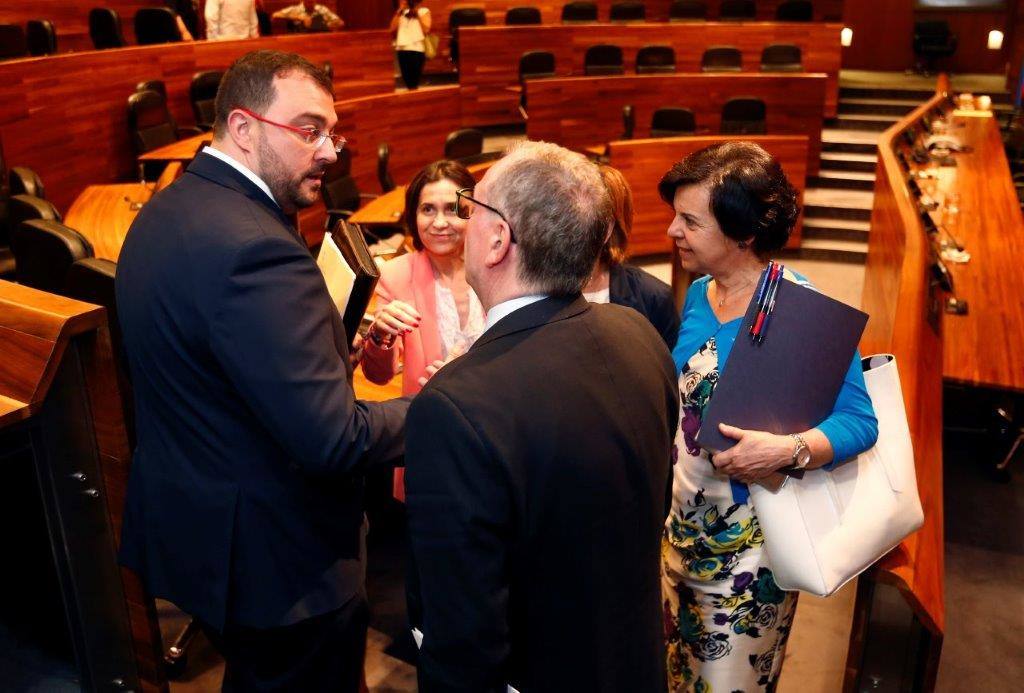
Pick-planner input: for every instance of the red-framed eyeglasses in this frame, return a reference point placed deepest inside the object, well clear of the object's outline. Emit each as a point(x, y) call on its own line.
point(310, 135)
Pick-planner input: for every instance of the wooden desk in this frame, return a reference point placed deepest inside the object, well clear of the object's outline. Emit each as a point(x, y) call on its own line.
point(65, 116)
point(489, 61)
point(563, 110)
point(644, 162)
point(103, 214)
point(182, 150)
point(384, 210)
point(413, 123)
point(982, 348)
point(906, 319)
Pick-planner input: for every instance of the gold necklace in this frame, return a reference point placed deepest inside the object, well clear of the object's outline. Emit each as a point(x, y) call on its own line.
point(721, 301)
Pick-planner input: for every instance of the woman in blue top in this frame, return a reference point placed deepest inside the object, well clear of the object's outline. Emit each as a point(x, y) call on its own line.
point(726, 621)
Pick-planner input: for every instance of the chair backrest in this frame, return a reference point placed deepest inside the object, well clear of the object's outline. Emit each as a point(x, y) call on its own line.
point(27, 207)
point(339, 188)
point(464, 143)
point(24, 181)
point(687, 11)
point(744, 115)
point(781, 57)
point(149, 122)
point(41, 37)
point(44, 250)
point(671, 121)
point(463, 16)
point(603, 59)
point(387, 183)
point(628, 11)
point(523, 15)
point(655, 59)
point(156, 25)
point(12, 41)
point(795, 11)
point(156, 85)
point(105, 28)
point(264, 22)
point(936, 30)
point(201, 92)
point(737, 10)
point(579, 12)
point(628, 122)
point(721, 59)
point(536, 65)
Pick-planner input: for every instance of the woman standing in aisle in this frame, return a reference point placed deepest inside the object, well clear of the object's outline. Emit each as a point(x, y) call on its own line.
point(410, 25)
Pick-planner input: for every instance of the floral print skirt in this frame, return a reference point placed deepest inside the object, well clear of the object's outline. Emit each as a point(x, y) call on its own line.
point(726, 621)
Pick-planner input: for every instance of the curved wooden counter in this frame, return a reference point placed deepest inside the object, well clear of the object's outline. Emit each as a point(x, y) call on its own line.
point(578, 111)
point(66, 115)
point(906, 319)
point(489, 62)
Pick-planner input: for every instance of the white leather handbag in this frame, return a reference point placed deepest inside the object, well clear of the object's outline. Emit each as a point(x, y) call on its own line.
point(823, 530)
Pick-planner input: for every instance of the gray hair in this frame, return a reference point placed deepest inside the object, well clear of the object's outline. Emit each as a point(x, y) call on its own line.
point(558, 208)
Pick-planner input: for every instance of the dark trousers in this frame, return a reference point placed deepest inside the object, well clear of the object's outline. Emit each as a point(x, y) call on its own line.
point(323, 653)
point(410, 64)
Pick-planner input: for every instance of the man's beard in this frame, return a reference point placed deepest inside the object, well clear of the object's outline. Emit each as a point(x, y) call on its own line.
point(287, 191)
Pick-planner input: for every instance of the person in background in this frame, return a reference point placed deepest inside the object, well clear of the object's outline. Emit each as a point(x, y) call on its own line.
point(537, 461)
point(310, 16)
point(427, 311)
point(726, 620)
point(614, 281)
point(245, 498)
point(410, 25)
point(231, 19)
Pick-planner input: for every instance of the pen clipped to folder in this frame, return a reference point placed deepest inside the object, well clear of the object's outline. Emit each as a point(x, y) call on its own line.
point(767, 292)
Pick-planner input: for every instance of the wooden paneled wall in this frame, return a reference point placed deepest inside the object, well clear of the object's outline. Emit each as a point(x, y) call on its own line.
point(71, 18)
point(580, 112)
point(413, 123)
point(644, 162)
point(66, 116)
point(905, 319)
point(490, 55)
point(883, 36)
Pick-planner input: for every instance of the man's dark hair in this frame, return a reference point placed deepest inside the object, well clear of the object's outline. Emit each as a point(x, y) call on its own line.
point(431, 173)
point(751, 198)
point(249, 83)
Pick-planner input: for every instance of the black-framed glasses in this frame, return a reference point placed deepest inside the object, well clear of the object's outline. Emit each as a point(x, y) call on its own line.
point(464, 204)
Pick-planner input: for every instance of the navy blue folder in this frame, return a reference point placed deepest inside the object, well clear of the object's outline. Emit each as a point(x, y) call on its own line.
point(788, 383)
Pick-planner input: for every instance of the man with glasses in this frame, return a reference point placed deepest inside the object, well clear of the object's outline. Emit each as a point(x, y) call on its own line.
point(537, 463)
point(245, 501)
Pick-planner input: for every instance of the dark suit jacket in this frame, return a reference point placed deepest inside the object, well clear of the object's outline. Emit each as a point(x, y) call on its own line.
point(648, 295)
point(536, 467)
point(245, 496)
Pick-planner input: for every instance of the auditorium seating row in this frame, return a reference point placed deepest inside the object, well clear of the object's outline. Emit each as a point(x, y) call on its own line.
point(491, 56)
point(152, 25)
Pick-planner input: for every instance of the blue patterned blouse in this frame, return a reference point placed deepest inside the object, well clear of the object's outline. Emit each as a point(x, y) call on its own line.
point(851, 428)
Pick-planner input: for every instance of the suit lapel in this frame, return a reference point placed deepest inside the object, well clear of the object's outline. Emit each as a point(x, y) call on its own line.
point(546, 311)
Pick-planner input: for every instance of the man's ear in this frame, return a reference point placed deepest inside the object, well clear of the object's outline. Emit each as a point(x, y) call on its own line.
point(240, 131)
point(499, 245)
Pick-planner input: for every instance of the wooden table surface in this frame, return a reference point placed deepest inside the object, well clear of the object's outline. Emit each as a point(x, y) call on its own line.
point(982, 348)
point(386, 209)
point(104, 213)
point(182, 150)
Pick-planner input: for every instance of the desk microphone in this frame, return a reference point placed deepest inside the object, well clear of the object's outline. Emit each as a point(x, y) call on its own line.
point(132, 204)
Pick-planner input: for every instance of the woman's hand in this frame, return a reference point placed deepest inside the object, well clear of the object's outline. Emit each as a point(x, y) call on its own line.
point(395, 319)
point(756, 455)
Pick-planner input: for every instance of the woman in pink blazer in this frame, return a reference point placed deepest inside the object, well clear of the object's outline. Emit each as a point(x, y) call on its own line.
point(426, 311)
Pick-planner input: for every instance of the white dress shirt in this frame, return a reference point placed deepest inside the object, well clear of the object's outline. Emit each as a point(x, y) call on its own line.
point(231, 19)
point(241, 168)
point(504, 308)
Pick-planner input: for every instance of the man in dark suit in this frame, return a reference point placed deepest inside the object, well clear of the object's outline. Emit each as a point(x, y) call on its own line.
point(537, 462)
point(245, 501)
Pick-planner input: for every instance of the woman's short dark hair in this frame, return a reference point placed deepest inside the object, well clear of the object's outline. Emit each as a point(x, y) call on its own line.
point(249, 83)
point(750, 196)
point(431, 173)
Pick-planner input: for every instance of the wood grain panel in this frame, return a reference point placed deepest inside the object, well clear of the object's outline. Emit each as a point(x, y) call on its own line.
point(644, 162)
point(414, 124)
point(562, 110)
point(71, 19)
point(898, 299)
point(65, 116)
point(490, 55)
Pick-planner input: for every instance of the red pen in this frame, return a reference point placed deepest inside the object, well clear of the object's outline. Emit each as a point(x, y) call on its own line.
point(763, 309)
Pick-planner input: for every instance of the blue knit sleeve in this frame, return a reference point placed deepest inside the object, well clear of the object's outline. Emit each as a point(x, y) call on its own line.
point(851, 428)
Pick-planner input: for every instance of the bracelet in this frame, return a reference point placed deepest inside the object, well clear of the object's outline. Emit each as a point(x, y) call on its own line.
point(384, 342)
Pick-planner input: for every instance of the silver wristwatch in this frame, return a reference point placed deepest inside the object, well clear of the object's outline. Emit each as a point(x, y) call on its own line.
point(802, 453)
